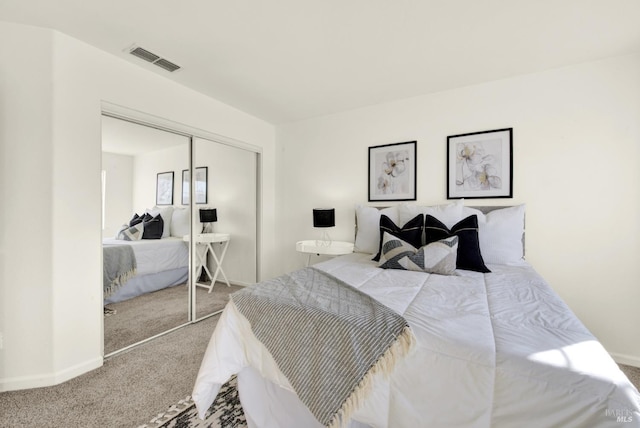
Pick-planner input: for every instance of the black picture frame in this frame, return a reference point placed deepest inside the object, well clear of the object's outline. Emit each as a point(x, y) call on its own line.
point(480, 165)
point(392, 172)
point(202, 177)
point(164, 188)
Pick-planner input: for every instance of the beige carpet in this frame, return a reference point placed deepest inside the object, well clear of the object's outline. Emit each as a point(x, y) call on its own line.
point(633, 373)
point(128, 391)
point(153, 313)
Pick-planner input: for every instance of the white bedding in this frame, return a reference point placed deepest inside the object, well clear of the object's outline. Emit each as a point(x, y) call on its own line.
point(498, 349)
point(160, 263)
point(156, 255)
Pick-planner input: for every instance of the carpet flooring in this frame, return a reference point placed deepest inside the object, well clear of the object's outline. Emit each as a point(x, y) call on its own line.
point(633, 373)
point(145, 316)
point(127, 391)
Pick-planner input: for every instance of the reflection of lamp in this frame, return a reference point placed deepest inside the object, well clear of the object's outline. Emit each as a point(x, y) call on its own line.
point(208, 216)
point(324, 217)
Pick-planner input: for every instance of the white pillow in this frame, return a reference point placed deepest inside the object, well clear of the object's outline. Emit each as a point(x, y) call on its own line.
point(448, 214)
point(368, 227)
point(166, 213)
point(500, 234)
point(180, 222)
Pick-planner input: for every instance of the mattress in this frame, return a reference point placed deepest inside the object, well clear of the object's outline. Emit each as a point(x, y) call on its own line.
point(496, 349)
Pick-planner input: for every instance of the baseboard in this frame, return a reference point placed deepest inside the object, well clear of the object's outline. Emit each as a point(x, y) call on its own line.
point(628, 360)
point(39, 381)
point(240, 283)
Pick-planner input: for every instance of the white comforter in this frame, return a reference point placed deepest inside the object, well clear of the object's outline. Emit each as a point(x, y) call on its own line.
point(497, 349)
point(156, 255)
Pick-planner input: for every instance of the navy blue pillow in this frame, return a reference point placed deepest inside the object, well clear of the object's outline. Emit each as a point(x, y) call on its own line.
point(153, 226)
point(411, 232)
point(469, 257)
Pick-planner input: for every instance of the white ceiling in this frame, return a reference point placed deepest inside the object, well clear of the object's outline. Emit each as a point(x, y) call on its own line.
point(285, 60)
point(126, 138)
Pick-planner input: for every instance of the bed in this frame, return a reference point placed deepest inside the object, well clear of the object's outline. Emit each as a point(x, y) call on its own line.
point(492, 348)
point(161, 263)
point(157, 263)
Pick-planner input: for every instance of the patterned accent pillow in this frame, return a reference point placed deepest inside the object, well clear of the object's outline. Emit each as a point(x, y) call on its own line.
point(131, 233)
point(437, 257)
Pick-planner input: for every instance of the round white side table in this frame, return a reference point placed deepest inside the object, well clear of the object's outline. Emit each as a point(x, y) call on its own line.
point(325, 248)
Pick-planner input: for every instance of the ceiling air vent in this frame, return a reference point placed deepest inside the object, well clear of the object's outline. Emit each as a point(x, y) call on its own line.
point(153, 59)
point(167, 65)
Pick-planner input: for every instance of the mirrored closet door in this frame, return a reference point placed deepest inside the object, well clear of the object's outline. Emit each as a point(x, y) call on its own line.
point(174, 248)
point(225, 223)
point(145, 256)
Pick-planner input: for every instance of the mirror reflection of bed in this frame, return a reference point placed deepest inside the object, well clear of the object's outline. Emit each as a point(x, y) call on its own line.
point(146, 265)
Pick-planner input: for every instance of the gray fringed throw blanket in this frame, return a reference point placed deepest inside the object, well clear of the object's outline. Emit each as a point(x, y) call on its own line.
point(328, 338)
point(119, 266)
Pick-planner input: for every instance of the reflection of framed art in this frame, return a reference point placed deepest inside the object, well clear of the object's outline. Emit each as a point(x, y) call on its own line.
point(480, 165)
point(392, 172)
point(164, 188)
point(201, 185)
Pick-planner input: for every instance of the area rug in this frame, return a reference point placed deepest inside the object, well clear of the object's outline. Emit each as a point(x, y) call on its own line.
point(108, 312)
point(225, 412)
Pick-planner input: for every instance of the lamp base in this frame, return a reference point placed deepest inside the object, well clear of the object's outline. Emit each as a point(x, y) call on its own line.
point(207, 228)
point(325, 241)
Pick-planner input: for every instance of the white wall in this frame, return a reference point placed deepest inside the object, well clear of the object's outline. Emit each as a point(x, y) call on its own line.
point(576, 151)
point(53, 87)
point(231, 190)
point(26, 182)
point(146, 169)
point(118, 192)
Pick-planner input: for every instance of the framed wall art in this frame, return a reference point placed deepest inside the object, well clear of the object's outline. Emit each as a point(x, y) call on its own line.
point(200, 185)
point(392, 172)
point(480, 165)
point(164, 188)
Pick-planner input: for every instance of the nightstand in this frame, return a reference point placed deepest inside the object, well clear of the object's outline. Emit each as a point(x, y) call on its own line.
point(205, 243)
point(325, 248)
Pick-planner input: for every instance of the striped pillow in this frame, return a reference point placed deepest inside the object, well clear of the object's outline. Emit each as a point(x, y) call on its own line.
point(437, 257)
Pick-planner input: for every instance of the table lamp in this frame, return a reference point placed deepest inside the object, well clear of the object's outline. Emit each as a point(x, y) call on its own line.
point(208, 216)
point(323, 218)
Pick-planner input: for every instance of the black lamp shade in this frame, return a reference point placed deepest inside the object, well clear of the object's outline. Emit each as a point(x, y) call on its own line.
point(324, 217)
point(208, 215)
